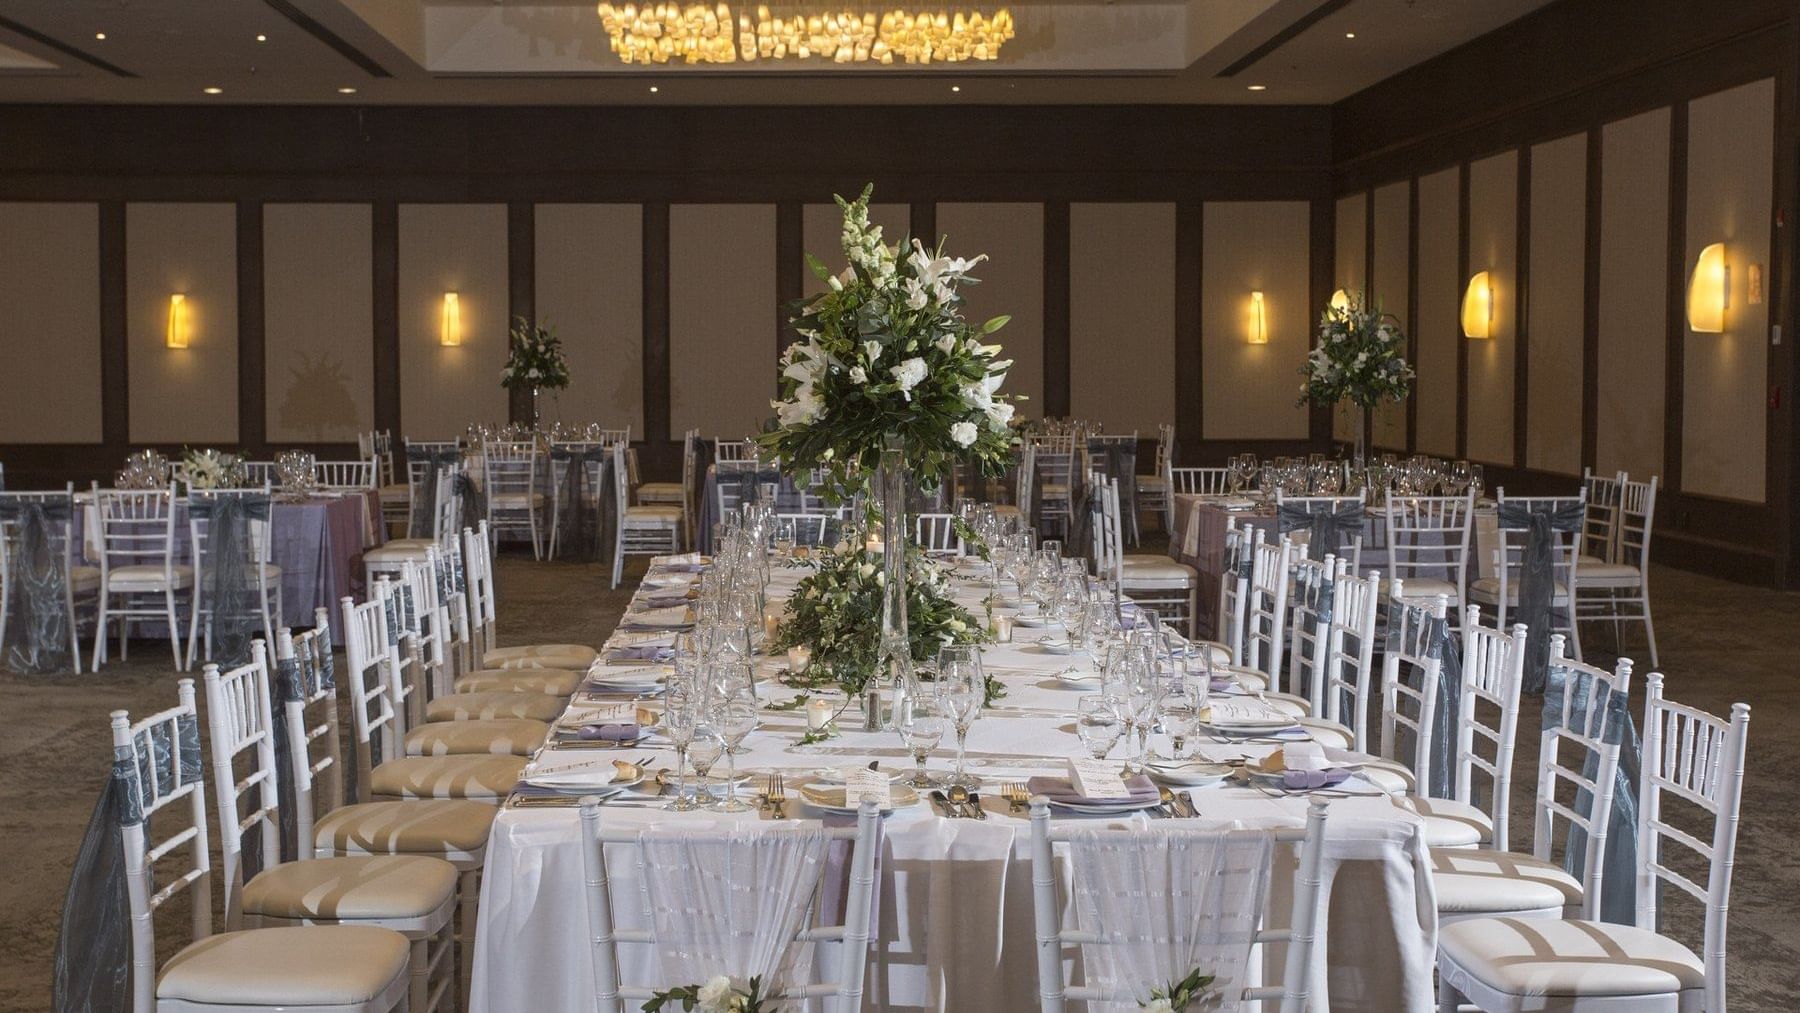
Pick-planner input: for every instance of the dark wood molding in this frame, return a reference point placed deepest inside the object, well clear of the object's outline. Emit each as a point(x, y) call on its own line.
point(1590, 302)
point(1056, 309)
point(656, 332)
point(1462, 280)
point(790, 267)
point(1521, 305)
point(1368, 417)
point(252, 410)
point(1321, 253)
point(332, 40)
point(1675, 261)
point(1412, 309)
point(521, 289)
point(1190, 358)
point(923, 218)
point(384, 262)
point(1323, 10)
point(74, 52)
point(1784, 279)
point(115, 345)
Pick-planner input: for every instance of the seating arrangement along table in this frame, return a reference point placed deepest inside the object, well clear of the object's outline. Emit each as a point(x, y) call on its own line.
point(954, 895)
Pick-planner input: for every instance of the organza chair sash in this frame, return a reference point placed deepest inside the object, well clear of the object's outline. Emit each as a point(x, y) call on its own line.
point(1537, 575)
point(425, 493)
point(1611, 714)
point(580, 527)
point(1437, 642)
point(37, 620)
point(232, 593)
point(1315, 593)
point(1329, 528)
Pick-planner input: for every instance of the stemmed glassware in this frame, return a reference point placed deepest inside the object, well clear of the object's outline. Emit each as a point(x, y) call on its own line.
point(704, 750)
point(1098, 723)
point(921, 723)
point(1129, 680)
point(736, 720)
point(961, 689)
point(785, 537)
point(680, 717)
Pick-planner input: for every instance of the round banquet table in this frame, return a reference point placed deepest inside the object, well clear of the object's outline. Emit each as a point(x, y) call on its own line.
point(954, 902)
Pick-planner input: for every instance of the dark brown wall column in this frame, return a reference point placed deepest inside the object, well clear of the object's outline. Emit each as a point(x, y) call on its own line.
point(1056, 308)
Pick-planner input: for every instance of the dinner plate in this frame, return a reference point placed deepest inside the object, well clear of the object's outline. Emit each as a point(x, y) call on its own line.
point(1055, 645)
point(598, 776)
point(1105, 808)
point(1035, 621)
point(1189, 773)
point(830, 798)
point(1079, 679)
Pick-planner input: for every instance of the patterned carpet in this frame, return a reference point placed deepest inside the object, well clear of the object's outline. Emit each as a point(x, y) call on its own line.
point(1720, 643)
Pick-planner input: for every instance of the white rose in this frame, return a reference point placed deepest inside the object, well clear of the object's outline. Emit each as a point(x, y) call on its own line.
point(866, 570)
point(858, 374)
point(946, 343)
point(1159, 1006)
point(964, 433)
point(956, 625)
point(716, 993)
point(909, 373)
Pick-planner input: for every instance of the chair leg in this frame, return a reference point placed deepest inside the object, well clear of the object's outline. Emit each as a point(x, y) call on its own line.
point(1448, 997)
point(618, 555)
point(175, 629)
point(1649, 630)
point(469, 891)
point(99, 656)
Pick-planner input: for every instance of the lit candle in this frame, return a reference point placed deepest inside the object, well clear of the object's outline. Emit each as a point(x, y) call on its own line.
point(798, 659)
point(818, 713)
point(1003, 629)
point(770, 622)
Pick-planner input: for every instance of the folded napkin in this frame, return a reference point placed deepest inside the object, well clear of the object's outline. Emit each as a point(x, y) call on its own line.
point(1061, 789)
point(659, 618)
point(620, 731)
point(1221, 683)
point(663, 601)
point(642, 652)
point(627, 638)
point(679, 559)
point(1301, 780)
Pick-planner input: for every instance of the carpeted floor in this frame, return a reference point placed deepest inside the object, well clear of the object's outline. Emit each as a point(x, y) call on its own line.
point(1720, 643)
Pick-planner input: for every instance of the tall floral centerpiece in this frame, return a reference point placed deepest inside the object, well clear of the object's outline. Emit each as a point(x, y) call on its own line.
point(534, 361)
point(889, 380)
point(1360, 357)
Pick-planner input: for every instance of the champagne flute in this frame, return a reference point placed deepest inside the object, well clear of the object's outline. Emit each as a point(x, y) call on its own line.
point(679, 720)
point(921, 722)
point(962, 688)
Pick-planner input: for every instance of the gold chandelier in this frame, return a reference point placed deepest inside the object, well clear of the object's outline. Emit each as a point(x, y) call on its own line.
point(696, 33)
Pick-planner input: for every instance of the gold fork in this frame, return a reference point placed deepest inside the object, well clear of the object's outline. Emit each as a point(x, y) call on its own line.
point(777, 797)
point(1015, 793)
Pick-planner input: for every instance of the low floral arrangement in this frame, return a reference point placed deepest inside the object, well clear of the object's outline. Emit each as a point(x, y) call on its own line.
point(535, 358)
point(836, 612)
point(1360, 357)
point(212, 469)
point(1191, 993)
point(719, 995)
point(885, 351)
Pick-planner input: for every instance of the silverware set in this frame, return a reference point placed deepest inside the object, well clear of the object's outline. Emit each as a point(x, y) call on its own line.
point(959, 803)
point(1016, 795)
point(776, 798)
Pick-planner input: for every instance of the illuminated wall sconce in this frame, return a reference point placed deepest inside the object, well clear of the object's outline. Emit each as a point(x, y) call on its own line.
point(450, 322)
point(1709, 291)
point(1340, 300)
point(1478, 308)
point(1259, 323)
point(176, 335)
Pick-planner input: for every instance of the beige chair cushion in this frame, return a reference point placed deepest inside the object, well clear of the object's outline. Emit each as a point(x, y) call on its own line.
point(317, 965)
point(483, 776)
point(1142, 570)
point(1552, 958)
point(1452, 824)
point(1217, 653)
point(511, 737)
point(1329, 733)
point(1607, 575)
point(147, 578)
point(1471, 881)
point(397, 492)
point(84, 578)
point(397, 552)
point(571, 657)
point(443, 827)
point(1289, 704)
point(1005, 510)
point(494, 706)
point(1422, 587)
point(647, 514)
point(551, 681)
point(1487, 591)
point(661, 492)
point(356, 887)
point(515, 500)
point(1390, 775)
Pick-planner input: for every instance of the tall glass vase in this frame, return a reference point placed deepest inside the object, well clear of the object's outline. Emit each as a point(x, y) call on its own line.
point(894, 672)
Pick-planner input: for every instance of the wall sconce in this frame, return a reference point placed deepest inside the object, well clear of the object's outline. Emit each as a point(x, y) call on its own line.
point(1478, 308)
point(1709, 291)
point(1340, 300)
point(450, 322)
point(176, 335)
point(1259, 324)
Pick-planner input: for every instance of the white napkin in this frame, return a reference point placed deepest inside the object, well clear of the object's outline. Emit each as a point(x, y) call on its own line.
point(684, 559)
point(676, 615)
point(647, 638)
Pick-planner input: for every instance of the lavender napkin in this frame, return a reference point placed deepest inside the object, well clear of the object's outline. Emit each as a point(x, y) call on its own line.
point(664, 601)
point(642, 652)
point(1303, 780)
point(622, 731)
point(1060, 789)
point(682, 567)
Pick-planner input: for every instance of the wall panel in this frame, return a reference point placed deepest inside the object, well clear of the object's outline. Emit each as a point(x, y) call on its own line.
point(1122, 315)
point(318, 322)
point(722, 296)
point(1012, 282)
point(1250, 390)
point(50, 323)
point(182, 395)
point(1439, 293)
point(1351, 275)
point(457, 248)
point(822, 227)
point(589, 288)
point(1557, 312)
point(1493, 237)
point(1389, 285)
point(1634, 243)
point(1731, 157)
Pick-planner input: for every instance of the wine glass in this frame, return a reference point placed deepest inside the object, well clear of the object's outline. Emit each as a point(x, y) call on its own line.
point(1098, 724)
point(921, 723)
point(962, 688)
point(680, 717)
point(704, 750)
point(736, 719)
point(1180, 710)
point(785, 537)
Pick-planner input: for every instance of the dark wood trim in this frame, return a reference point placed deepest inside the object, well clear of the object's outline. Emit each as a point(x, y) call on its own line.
point(1321, 254)
point(1462, 281)
point(74, 52)
point(384, 262)
point(790, 267)
point(332, 40)
point(1590, 302)
point(1190, 357)
point(1369, 290)
point(1521, 305)
point(922, 215)
point(521, 289)
point(1283, 37)
point(656, 331)
point(1676, 296)
point(1412, 308)
point(115, 345)
point(1056, 309)
point(1783, 279)
point(252, 410)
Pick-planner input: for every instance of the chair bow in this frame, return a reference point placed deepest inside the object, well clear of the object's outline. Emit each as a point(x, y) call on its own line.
point(1618, 877)
point(1537, 578)
point(1328, 526)
point(37, 603)
point(583, 537)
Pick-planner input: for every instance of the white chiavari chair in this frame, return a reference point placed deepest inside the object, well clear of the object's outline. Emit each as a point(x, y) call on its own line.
point(1308, 626)
point(556, 669)
point(1158, 582)
point(261, 577)
point(1493, 671)
point(1500, 593)
point(1234, 583)
point(1265, 607)
point(678, 493)
point(258, 473)
point(81, 583)
point(1618, 591)
point(1409, 684)
point(1128, 887)
point(345, 476)
point(1199, 481)
point(414, 895)
point(1053, 472)
point(1428, 541)
point(712, 898)
point(317, 726)
point(395, 495)
point(418, 472)
point(733, 484)
point(647, 529)
point(389, 557)
point(1349, 658)
point(1349, 547)
point(510, 483)
point(1019, 510)
point(332, 969)
point(813, 530)
point(137, 566)
point(936, 535)
point(1600, 530)
point(1154, 488)
point(734, 450)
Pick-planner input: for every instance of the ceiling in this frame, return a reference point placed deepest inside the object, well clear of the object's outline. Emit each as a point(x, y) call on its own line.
point(551, 52)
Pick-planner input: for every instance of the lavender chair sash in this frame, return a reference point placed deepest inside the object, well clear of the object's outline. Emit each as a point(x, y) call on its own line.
point(1537, 577)
point(37, 614)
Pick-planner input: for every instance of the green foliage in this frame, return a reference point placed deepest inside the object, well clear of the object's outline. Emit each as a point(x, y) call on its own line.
point(535, 358)
point(1360, 357)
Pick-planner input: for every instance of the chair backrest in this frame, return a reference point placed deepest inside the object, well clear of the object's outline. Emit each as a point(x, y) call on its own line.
point(1412, 628)
point(478, 584)
point(1698, 759)
point(1190, 892)
point(728, 483)
point(733, 450)
point(1350, 653)
point(345, 475)
point(1165, 447)
point(1429, 535)
point(1564, 547)
point(240, 724)
point(594, 467)
point(936, 535)
point(1600, 531)
point(813, 530)
point(1265, 606)
point(508, 468)
point(1493, 670)
point(260, 549)
point(417, 470)
point(56, 537)
point(1350, 542)
point(610, 436)
point(406, 662)
point(427, 621)
point(137, 528)
point(1234, 586)
point(160, 756)
point(1201, 481)
point(1108, 530)
point(690, 463)
point(372, 709)
point(1589, 769)
point(1637, 510)
point(313, 743)
point(1309, 630)
point(704, 888)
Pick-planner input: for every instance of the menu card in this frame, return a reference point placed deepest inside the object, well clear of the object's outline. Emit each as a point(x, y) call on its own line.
point(1096, 778)
point(609, 713)
point(861, 783)
point(1243, 710)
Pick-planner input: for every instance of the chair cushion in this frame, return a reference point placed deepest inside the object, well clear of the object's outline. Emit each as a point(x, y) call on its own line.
point(483, 776)
point(515, 500)
point(1453, 824)
point(1487, 590)
point(654, 513)
point(352, 888)
point(1288, 703)
point(84, 578)
point(315, 965)
point(441, 827)
point(570, 657)
point(1143, 569)
point(1217, 653)
point(396, 492)
point(1422, 587)
point(1472, 881)
point(1607, 575)
point(147, 578)
point(1550, 957)
point(661, 492)
point(551, 681)
point(498, 705)
point(1391, 776)
point(401, 551)
point(1329, 733)
point(510, 737)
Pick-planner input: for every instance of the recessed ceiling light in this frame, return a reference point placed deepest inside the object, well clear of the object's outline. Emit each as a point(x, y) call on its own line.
point(346, 91)
point(1259, 87)
point(262, 38)
point(654, 89)
point(1349, 35)
point(956, 87)
point(211, 90)
point(100, 36)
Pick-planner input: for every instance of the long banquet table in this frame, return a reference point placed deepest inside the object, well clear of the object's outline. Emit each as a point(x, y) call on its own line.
point(954, 903)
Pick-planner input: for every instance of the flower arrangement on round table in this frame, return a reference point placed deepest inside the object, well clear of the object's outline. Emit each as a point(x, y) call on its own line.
point(534, 358)
point(1360, 357)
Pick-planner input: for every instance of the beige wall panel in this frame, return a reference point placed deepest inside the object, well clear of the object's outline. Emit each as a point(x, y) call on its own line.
point(1389, 281)
point(318, 322)
point(821, 232)
point(1250, 246)
point(1439, 294)
point(1634, 240)
point(722, 303)
point(1350, 273)
point(1493, 237)
point(590, 290)
point(182, 395)
point(1557, 310)
point(1731, 158)
point(1122, 315)
point(457, 248)
point(1012, 283)
point(50, 323)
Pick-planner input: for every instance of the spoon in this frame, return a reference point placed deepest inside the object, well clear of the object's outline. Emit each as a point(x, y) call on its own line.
point(959, 797)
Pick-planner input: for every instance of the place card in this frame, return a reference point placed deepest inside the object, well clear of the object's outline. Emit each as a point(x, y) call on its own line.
point(1243, 710)
point(861, 783)
point(1096, 778)
point(609, 713)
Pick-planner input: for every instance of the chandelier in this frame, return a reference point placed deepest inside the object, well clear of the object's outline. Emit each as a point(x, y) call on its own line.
point(696, 33)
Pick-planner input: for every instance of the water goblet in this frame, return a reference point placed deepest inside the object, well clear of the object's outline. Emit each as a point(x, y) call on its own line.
point(704, 750)
point(1098, 724)
point(921, 723)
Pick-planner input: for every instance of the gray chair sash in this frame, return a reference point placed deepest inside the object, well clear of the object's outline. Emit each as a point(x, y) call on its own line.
point(425, 494)
point(1618, 890)
point(1435, 642)
point(1537, 577)
point(231, 596)
point(1330, 529)
point(580, 527)
point(37, 619)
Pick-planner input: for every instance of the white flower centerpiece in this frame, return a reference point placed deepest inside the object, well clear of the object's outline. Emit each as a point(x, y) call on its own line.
point(1360, 357)
point(534, 361)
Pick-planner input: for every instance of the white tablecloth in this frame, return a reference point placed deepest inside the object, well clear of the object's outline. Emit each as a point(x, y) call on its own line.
point(955, 903)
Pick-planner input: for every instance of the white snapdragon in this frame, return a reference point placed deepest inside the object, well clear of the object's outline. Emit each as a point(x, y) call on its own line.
point(964, 433)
